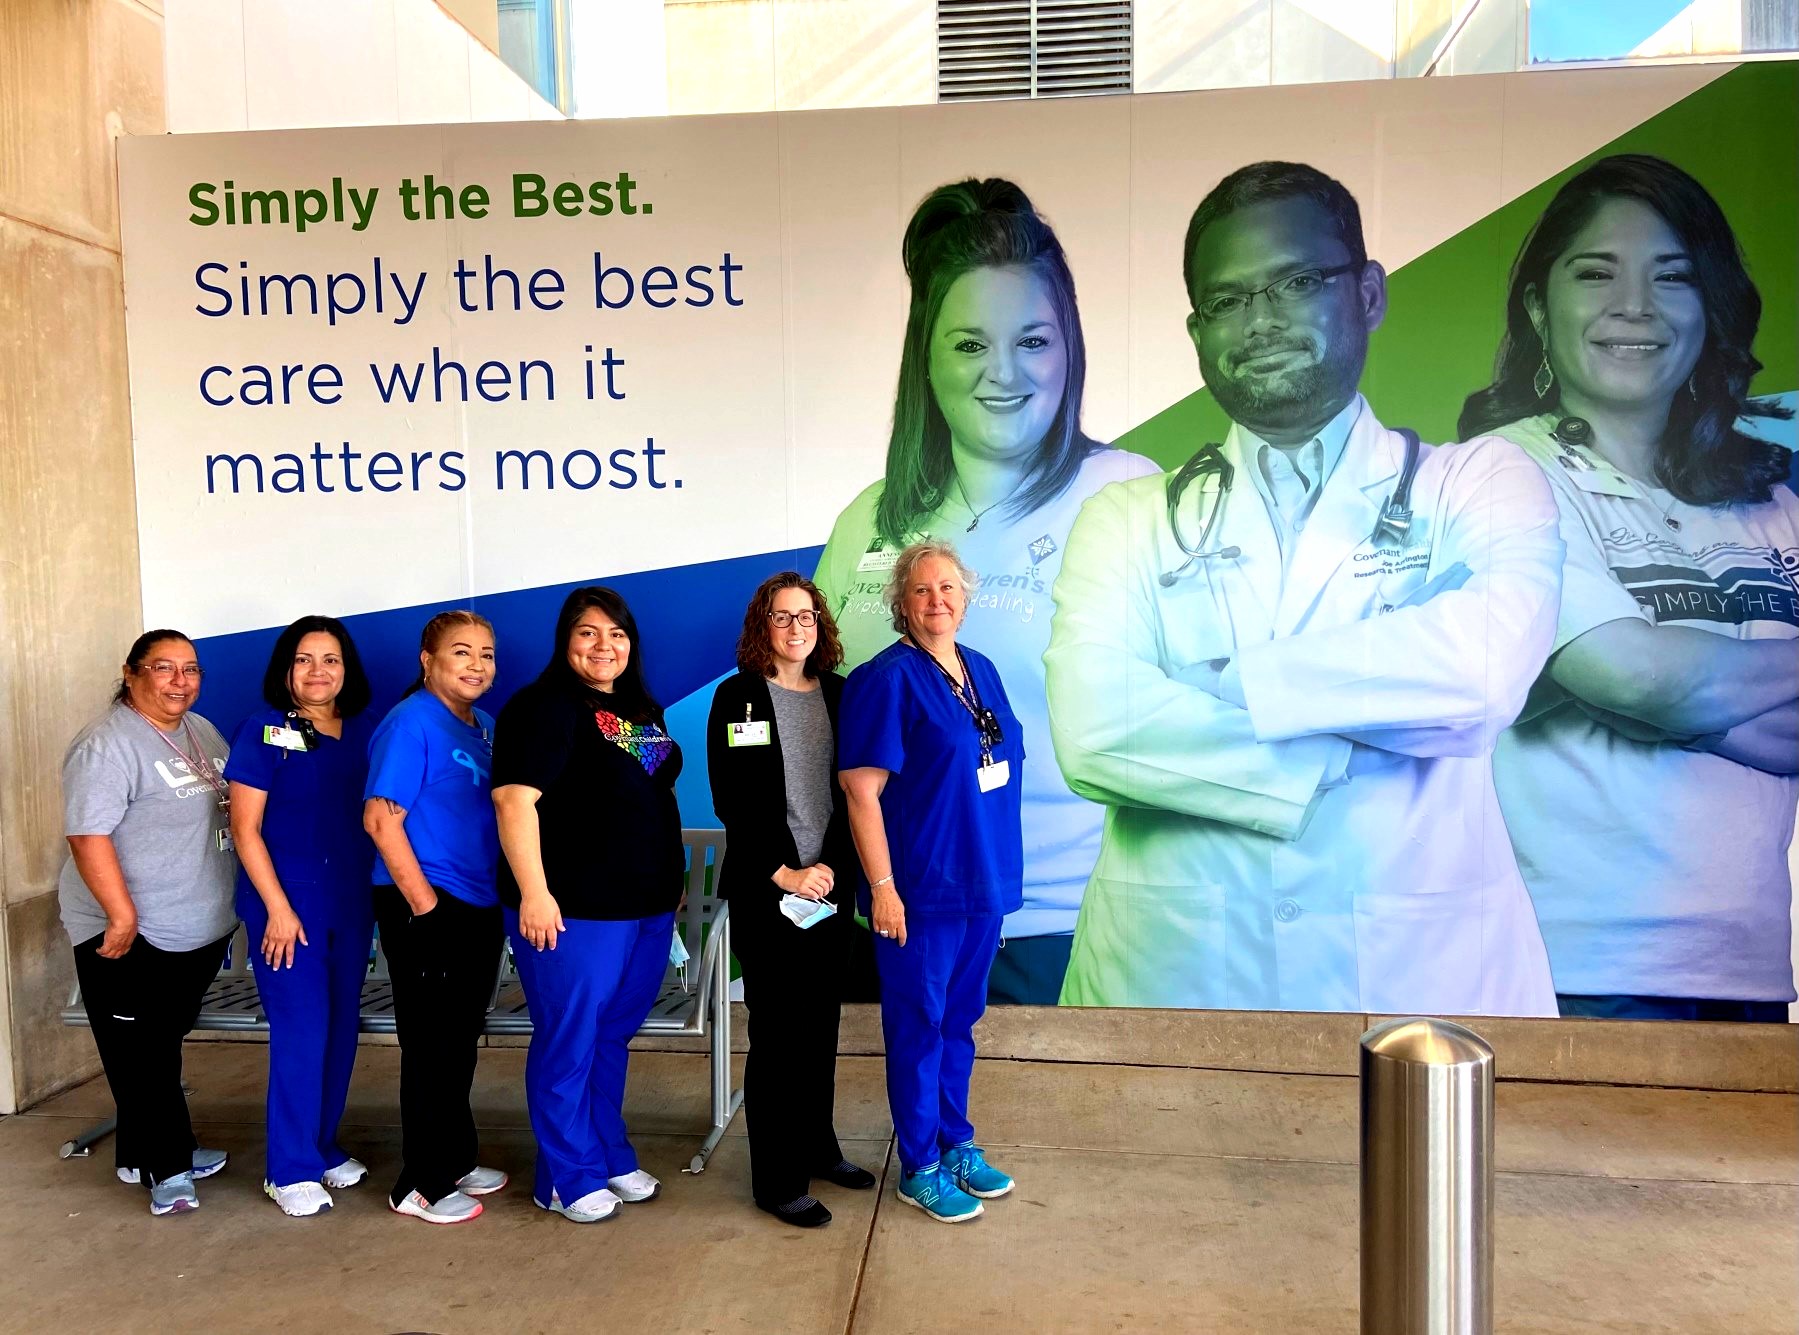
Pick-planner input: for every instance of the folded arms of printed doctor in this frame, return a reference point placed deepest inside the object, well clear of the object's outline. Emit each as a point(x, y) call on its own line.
point(1126, 732)
point(1442, 677)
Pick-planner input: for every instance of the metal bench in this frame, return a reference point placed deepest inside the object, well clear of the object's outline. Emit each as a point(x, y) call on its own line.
point(694, 1003)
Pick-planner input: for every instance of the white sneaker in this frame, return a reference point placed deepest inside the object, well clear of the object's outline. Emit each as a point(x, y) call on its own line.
point(635, 1187)
point(590, 1209)
point(346, 1174)
point(299, 1199)
point(452, 1209)
point(481, 1181)
point(206, 1163)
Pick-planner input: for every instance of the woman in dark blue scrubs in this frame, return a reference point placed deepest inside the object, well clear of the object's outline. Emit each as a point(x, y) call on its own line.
point(297, 771)
point(930, 759)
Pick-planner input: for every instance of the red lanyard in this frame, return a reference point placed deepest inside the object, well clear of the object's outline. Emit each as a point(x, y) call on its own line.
point(197, 763)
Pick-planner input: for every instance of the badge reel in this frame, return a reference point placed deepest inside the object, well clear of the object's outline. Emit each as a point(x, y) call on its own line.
point(993, 774)
point(747, 733)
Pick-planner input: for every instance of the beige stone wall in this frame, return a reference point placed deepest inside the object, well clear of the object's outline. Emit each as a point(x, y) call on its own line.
point(74, 74)
point(790, 55)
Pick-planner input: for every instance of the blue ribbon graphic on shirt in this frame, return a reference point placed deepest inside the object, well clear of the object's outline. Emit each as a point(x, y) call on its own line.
point(477, 775)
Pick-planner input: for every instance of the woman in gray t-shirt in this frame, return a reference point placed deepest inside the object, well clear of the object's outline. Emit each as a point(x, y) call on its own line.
point(771, 753)
point(146, 900)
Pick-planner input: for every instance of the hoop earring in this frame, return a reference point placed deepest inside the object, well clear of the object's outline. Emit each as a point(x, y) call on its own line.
point(1544, 380)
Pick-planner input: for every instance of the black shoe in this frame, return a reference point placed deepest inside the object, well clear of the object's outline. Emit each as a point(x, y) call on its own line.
point(845, 1174)
point(803, 1212)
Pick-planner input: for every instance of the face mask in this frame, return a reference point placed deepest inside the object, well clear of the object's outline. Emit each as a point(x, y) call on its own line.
point(803, 913)
point(678, 956)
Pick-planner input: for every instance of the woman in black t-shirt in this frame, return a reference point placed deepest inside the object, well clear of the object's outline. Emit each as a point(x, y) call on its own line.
point(584, 784)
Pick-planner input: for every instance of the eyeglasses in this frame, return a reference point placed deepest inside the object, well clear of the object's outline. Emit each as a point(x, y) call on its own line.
point(1294, 290)
point(190, 671)
point(783, 620)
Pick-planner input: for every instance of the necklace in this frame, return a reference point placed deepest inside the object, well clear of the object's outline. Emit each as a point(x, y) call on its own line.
point(979, 515)
point(197, 763)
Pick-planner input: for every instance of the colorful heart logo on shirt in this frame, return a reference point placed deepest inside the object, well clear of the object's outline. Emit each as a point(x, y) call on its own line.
point(645, 742)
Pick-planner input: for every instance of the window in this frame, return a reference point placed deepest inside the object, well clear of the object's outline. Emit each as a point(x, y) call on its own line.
point(1032, 48)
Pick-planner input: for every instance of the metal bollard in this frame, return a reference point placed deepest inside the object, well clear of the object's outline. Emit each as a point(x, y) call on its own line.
point(1427, 1180)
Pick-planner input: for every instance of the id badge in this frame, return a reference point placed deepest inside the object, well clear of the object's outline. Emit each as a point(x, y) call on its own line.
point(223, 840)
point(996, 775)
point(747, 734)
point(288, 739)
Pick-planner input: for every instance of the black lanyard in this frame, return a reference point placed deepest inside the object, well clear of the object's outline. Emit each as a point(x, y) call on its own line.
point(985, 724)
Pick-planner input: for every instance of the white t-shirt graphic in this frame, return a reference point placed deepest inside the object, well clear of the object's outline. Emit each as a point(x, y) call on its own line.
point(1655, 870)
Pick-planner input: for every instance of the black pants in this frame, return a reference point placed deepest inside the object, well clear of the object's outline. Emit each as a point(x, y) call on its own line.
point(792, 985)
point(141, 1006)
point(443, 967)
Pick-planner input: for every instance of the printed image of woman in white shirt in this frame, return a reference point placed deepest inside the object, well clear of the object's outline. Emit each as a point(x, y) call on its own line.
point(987, 451)
point(1649, 787)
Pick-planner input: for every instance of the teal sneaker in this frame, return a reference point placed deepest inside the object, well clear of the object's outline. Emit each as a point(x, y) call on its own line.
point(969, 1167)
point(936, 1193)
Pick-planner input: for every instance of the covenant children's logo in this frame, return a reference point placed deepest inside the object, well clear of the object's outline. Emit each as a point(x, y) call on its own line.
point(1043, 549)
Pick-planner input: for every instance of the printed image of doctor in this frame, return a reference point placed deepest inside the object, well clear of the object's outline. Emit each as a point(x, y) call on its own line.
point(1283, 668)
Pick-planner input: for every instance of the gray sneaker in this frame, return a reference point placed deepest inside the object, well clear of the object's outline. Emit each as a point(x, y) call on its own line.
point(174, 1195)
point(206, 1163)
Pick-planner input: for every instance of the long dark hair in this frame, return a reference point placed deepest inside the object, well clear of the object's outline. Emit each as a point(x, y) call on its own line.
point(435, 630)
point(352, 699)
point(135, 656)
point(754, 651)
point(1704, 459)
point(629, 698)
point(958, 228)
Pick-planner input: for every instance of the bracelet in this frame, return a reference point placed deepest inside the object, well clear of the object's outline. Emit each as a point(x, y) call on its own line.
point(883, 881)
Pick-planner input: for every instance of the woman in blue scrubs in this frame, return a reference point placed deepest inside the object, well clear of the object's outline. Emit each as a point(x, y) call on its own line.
point(930, 758)
point(584, 787)
point(296, 771)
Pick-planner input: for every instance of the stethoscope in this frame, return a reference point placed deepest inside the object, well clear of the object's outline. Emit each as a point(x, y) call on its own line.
point(1390, 530)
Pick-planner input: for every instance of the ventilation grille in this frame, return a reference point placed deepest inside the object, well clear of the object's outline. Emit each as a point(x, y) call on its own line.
point(1032, 48)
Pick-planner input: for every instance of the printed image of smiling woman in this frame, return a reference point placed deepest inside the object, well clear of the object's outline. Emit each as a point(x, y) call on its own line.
point(1697, 360)
point(986, 450)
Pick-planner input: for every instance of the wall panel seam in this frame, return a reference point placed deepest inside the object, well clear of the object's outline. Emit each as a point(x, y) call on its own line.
point(57, 231)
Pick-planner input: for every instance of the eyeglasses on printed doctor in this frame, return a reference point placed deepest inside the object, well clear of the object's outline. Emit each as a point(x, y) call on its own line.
point(191, 671)
point(1293, 290)
point(783, 620)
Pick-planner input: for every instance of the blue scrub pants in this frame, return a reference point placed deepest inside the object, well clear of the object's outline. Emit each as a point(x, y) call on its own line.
point(588, 998)
point(313, 1011)
point(933, 989)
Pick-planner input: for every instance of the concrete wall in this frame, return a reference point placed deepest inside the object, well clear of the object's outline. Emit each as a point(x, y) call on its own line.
point(299, 64)
point(789, 55)
point(74, 75)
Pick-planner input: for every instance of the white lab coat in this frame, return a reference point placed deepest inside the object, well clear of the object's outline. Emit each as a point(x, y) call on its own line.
point(1337, 844)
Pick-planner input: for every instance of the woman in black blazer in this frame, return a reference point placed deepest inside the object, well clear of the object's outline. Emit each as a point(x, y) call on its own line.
point(771, 749)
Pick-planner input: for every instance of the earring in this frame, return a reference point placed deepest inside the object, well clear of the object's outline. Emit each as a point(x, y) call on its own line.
point(1692, 388)
point(1544, 380)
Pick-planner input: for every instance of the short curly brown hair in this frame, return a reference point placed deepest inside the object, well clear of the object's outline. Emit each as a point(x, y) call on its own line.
point(755, 652)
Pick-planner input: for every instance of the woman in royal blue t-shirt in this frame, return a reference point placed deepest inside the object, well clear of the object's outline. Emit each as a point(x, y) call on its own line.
point(930, 759)
point(297, 771)
point(429, 808)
